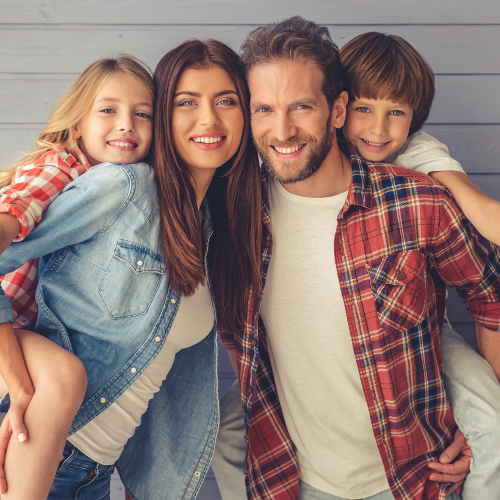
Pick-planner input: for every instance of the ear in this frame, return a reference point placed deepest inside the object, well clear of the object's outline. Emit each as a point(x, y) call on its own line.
point(76, 132)
point(339, 110)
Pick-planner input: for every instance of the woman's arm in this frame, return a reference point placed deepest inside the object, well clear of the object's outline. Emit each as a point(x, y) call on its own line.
point(478, 207)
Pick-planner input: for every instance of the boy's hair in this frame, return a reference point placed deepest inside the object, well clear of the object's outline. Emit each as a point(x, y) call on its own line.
point(69, 110)
point(298, 40)
point(380, 66)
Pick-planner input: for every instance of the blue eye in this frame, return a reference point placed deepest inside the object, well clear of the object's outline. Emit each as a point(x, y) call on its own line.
point(107, 110)
point(397, 112)
point(186, 103)
point(363, 109)
point(262, 110)
point(143, 115)
point(226, 102)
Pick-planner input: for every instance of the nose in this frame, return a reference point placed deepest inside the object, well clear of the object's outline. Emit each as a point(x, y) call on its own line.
point(208, 116)
point(126, 122)
point(284, 127)
point(378, 125)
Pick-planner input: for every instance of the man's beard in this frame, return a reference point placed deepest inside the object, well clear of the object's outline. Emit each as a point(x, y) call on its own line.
point(319, 149)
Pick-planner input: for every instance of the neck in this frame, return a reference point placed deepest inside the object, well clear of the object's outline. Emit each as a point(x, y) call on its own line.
point(333, 177)
point(201, 182)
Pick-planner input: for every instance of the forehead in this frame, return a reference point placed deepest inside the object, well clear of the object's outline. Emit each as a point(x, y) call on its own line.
point(287, 80)
point(205, 79)
point(122, 87)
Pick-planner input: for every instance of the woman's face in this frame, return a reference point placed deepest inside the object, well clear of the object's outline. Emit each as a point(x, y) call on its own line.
point(207, 119)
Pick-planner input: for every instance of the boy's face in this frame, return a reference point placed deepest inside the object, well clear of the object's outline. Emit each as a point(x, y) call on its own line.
point(377, 127)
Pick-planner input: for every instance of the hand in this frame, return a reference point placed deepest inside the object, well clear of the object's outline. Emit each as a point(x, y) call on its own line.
point(13, 423)
point(451, 469)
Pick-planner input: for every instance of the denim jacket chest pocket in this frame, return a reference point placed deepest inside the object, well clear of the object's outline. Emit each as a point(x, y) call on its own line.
point(131, 280)
point(399, 285)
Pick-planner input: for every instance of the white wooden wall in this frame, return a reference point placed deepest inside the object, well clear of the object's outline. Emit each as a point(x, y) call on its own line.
point(45, 44)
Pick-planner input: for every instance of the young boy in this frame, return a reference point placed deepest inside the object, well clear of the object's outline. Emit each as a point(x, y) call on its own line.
point(391, 88)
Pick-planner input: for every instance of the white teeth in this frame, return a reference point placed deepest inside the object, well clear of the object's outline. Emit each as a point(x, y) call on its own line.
point(288, 150)
point(375, 143)
point(123, 144)
point(208, 140)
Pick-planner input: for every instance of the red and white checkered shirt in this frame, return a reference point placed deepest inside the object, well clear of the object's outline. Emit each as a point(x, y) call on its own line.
point(400, 238)
point(33, 188)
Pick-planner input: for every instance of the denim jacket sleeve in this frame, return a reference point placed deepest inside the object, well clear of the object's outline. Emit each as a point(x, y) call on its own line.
point(86, 207)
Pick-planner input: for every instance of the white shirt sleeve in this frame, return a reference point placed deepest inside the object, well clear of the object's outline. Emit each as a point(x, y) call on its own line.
point(424, 153)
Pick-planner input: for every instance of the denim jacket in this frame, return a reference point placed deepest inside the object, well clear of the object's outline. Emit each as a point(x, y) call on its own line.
point(102, 294)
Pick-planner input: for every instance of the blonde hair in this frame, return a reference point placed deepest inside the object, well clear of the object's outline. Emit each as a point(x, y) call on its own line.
point(69, 110)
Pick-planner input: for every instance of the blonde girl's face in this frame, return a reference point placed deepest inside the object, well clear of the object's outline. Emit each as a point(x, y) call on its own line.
point(118, 127)
point(207, 119)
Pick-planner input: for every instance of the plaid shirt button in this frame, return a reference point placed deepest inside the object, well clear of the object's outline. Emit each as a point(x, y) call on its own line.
point(401, 276)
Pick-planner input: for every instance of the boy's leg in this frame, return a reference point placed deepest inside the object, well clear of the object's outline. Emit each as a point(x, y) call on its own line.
point(228, 462)
point(474, 393)
point(59, 379)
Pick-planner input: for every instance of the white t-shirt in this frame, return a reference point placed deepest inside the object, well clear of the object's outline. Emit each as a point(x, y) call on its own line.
point(104, 437)
point(311, 351)
point(424, 153)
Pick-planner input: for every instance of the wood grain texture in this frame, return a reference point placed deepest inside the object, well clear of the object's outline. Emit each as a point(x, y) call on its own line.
point(459, 98)
point(23, 48)
point(250, 11)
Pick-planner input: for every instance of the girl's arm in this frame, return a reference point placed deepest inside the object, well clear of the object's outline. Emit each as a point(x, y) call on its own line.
point(478, 207)
point(9, 229)
point(16, 377)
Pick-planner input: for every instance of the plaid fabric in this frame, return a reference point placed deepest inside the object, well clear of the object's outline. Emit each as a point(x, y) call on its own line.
point(33, 188)
point(400, 238)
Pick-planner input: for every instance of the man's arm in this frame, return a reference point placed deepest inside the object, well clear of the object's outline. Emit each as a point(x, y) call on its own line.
point(488, 345)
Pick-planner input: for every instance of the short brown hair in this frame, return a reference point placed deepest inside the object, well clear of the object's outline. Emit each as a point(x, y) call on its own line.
point(296, 39)
point(380, 66)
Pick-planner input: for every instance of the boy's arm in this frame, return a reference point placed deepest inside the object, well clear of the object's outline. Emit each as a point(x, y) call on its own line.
point(478, 207)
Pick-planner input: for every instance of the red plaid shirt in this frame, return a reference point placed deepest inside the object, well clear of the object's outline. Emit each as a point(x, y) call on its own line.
point(400, 238)
point(33, 188)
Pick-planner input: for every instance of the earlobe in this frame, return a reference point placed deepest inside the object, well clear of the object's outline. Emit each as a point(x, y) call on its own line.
point(76, 132)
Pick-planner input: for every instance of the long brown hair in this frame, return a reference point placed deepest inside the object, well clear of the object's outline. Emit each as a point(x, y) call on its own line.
point(69, 110)
point(233, 195)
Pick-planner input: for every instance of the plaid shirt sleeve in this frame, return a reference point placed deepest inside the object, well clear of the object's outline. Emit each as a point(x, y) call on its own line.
point(227, 339)
point(31, 191)
point(470, 263)
point(36, 185)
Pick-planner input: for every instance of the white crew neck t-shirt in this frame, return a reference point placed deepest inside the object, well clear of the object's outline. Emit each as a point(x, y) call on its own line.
point(311, 351)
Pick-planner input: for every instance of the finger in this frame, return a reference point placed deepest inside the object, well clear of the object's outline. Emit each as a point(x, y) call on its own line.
point(454, 449)
point(447, 478)
point(455, 488)
point(17, 423)
point(458, 467)
point(5, 433)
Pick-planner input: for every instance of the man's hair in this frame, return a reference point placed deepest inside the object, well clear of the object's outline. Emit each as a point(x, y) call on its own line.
point(380, 66)
point(298, 40)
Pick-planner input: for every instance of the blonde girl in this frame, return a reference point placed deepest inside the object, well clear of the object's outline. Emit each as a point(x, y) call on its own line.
point(106, 116)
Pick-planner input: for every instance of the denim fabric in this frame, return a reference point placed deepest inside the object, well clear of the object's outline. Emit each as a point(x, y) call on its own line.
point(474, 393)
point(80, 478)
point(307, 492)
point(103, 294)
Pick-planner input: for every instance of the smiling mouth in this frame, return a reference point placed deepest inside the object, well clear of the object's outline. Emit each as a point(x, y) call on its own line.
point(288, 150)
point(376, 144)
point(123, 145)
point(208, 140)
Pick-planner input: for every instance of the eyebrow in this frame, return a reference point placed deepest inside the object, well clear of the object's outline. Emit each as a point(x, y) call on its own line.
point(113, 99)
point(307, 102)
point(197, 94)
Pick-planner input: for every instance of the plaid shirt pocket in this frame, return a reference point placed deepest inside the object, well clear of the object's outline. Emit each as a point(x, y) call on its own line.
point(399, 284)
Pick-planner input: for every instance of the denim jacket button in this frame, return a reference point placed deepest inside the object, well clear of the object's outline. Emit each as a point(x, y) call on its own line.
point(197, 474)
point(157, 339)
point(133, 370)
point(140, 263)
point(173, 301)
point(103, 400)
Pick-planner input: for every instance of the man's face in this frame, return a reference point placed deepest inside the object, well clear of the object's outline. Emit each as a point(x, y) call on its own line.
point(291, 120)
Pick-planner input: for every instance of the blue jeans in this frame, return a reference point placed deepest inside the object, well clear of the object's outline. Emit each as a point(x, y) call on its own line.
point(80, 478)
point(307, 492)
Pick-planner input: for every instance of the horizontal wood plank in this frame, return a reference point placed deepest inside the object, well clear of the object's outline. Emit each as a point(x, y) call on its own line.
point(459, 99)
point(449, 49)
point(250, 11)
